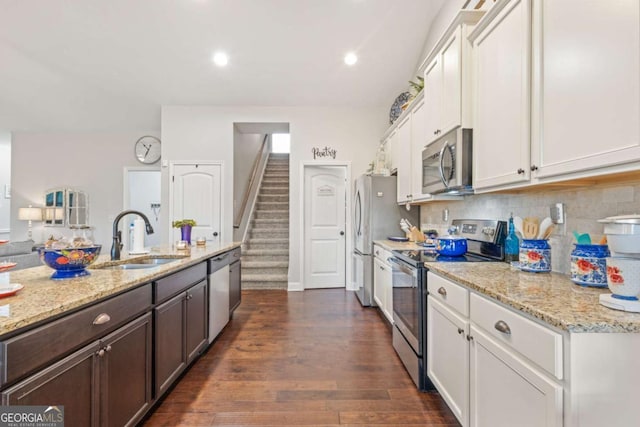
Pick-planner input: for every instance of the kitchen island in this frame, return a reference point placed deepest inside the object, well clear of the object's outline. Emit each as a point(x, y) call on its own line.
point(508, 347)
point(109, 345)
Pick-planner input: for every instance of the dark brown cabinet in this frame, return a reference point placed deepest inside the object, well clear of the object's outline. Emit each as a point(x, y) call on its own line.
point(106, 383)
point(235, 294)
point(180, 334)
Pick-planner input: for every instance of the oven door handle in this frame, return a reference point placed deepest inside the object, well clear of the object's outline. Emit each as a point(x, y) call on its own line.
point(410, 271)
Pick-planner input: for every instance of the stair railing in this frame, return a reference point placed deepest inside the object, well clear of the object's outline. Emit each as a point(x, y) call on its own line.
point(258, 165)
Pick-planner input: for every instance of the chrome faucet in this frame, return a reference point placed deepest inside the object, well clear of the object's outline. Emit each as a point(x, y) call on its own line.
point(117, 235)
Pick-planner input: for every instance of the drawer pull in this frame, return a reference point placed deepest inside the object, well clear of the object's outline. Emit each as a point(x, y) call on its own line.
point(107, 348)
point(442, 291)
point(101, 319)
point(460, 331)
point(220, 258)
point(502, 326)
point(100, 352)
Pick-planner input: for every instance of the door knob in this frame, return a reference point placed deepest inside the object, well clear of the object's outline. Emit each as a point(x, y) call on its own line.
point(215, 234)
point(342, 233)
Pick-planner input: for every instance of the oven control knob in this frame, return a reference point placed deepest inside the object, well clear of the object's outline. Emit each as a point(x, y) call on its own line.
point(489, 231)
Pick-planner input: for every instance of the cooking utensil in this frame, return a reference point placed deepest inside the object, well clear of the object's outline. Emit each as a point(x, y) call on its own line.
point(530, 228)
point(544, 225)
point(582, 239)
point(517, 224)
point(548, 232)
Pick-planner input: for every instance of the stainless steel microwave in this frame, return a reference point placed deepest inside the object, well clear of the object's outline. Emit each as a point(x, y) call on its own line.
point(447, 162)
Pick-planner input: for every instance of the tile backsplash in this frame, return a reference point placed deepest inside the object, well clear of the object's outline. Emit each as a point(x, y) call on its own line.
point(583, 207)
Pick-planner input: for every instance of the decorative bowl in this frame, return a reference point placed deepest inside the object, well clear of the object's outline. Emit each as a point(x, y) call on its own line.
point(623, 277)
point(451, 246)
point(70, 262)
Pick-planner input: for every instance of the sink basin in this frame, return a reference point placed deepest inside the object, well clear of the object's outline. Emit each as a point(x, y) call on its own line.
point(137, 264)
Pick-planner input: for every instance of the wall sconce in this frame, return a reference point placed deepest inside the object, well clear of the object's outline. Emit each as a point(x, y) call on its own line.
point(30, 214)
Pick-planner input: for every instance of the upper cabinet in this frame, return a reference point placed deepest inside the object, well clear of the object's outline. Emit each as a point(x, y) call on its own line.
point(586, 86)
point(447, 79)
point(501, 102)
point(556, 91)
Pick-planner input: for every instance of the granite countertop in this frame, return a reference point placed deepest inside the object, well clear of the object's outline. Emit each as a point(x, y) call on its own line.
point(43, 298)
point(550, 297)
point(397, 246)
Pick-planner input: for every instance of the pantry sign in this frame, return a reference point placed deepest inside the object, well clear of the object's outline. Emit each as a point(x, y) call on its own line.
point(322, 153)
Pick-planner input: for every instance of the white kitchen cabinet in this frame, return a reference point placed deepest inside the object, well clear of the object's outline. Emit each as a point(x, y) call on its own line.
point(382, 286)
point(448, 356)
point(447, 78)
point(402, 159)
point(506, 391)
point(586, 87)
point(501, 95)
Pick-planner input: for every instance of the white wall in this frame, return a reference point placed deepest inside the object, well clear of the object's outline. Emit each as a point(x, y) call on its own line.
point(245, 149)
point(92, 162)
point(5, 179)
point(206, 133)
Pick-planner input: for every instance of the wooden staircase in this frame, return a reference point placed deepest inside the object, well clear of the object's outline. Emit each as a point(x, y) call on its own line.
point(265, 254)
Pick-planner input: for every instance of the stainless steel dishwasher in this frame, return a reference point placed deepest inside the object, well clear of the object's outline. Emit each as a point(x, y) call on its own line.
point(218, 294)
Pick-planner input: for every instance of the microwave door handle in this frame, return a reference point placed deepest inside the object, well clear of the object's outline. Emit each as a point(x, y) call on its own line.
point(441, 168)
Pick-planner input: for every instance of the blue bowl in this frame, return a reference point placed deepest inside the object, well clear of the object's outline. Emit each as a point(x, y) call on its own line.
point(451, 246)
point(71, 262)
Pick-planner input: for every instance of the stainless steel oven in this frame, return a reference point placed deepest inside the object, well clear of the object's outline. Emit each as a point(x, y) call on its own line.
point(447, 162)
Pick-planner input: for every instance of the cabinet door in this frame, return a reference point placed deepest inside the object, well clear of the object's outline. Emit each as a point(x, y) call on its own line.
point(418, 143)
point(170, 354)
point(587, 90)
point(506, 391)
point(501, 133)
point(379, 291)
point(196, 332)
point(125, 370)
point(433, 99)
point(235, 286)
point(73, 383)
point(451, 103)
point(403, 160)
point(448, 357)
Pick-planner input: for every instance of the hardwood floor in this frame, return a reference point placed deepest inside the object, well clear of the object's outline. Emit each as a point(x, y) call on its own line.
point(313, 358)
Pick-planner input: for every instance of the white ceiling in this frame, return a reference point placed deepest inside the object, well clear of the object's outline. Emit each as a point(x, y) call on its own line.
point(79, 65)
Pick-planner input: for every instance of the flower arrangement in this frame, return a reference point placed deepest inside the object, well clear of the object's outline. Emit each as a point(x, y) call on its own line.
point(183, 222)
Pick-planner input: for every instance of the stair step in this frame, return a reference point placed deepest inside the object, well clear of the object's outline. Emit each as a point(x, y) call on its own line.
point(265, 258)
point(265, 252)
point(273, 198)
point(272, 214)
point(276, 181)
point(265, 264)
point(265, 278)
point(264, 271)
point(269, 233)
point(270, 221)
point(272, 206)
point(267, 244)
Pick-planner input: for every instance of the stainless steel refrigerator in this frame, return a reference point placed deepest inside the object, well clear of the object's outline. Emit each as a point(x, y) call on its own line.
point(376, 216)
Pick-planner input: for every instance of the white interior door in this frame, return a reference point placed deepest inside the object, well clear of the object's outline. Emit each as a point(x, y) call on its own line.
point(325, 226)
point(197, 195)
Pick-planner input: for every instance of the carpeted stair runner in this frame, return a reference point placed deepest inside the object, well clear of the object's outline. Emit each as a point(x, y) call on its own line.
point(265, 252)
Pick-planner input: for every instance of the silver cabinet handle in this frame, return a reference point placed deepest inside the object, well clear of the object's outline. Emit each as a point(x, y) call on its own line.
point(442, 291)
point(107, 348)
point(100, 352)
point(502, 326)
point(101, 319)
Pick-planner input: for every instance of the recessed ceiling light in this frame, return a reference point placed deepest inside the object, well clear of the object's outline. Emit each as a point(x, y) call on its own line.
point(221, 59)
point(350, 58)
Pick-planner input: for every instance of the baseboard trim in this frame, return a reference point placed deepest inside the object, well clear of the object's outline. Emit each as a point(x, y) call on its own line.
point(295, 287)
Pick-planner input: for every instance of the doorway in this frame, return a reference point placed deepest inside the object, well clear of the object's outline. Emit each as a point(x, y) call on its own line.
point(142, 193)
point(325, 224)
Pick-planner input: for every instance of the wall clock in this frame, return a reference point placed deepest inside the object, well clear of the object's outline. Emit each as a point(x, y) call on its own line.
point(147, 149)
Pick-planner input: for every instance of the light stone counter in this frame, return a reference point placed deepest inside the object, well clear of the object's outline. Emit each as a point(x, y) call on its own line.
point(550, 297)
point(43, 298)
point(397, 246)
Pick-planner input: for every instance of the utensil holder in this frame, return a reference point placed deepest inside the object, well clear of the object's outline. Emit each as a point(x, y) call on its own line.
point(589, 265)
point(535, 256)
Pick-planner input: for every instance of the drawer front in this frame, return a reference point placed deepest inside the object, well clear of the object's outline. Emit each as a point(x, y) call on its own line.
point(29, 351)
point(448, 293)
point(178, 282)
point(226, 258)
point(381, 253)
point(537, 343)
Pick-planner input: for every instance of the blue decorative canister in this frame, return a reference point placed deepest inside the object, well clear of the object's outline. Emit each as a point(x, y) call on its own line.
point(589, 265)
point(535, 256)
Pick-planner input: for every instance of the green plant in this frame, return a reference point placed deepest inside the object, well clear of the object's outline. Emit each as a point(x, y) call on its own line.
point(417, 87)
point(182, 222)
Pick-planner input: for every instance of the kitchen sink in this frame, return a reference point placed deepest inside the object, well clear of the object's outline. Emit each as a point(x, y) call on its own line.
point(137, 264)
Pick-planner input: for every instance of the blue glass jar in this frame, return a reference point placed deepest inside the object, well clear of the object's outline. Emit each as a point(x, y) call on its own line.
point(589, 265)
point(535, 256)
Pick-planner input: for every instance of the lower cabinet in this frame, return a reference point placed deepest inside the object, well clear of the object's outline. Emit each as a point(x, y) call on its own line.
point(106, 383)
point(507, 391)
point(180, 334)
point(235, 287)
point(382, 287)
point(448, 357)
